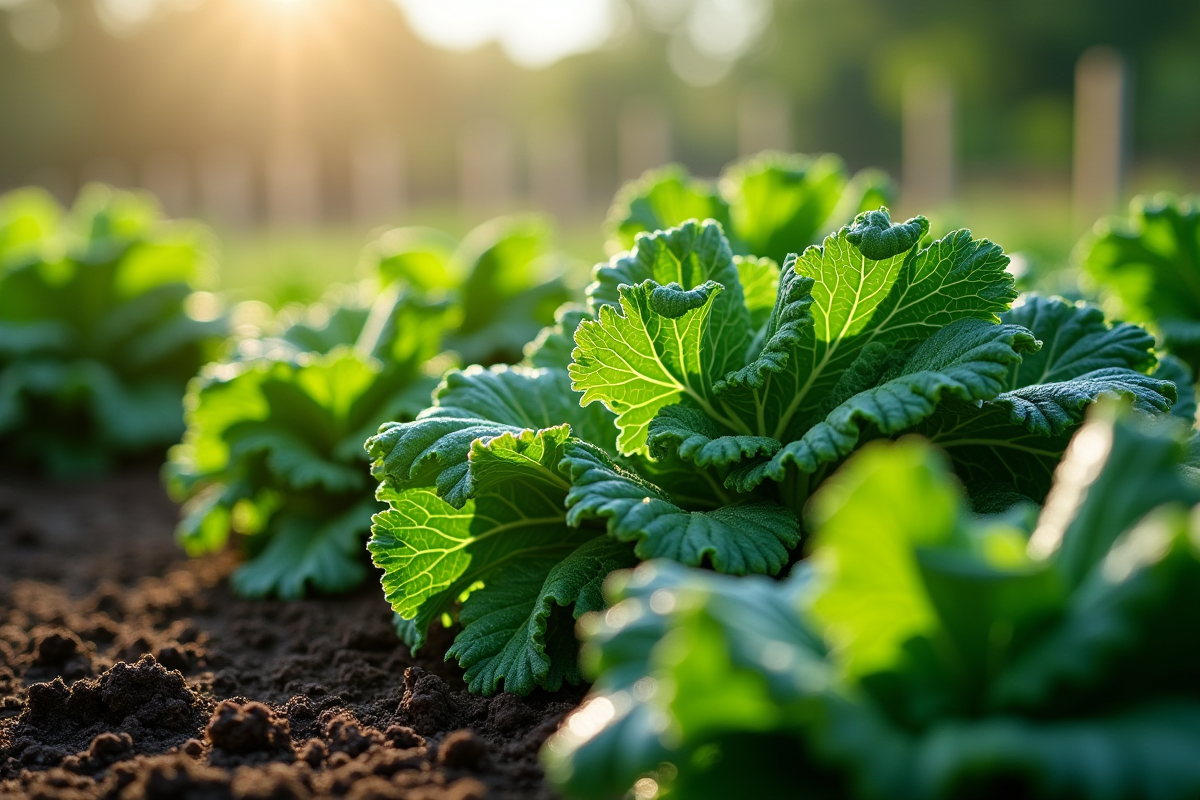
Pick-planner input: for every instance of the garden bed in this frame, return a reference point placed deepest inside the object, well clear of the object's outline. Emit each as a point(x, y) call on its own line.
point(128, 671)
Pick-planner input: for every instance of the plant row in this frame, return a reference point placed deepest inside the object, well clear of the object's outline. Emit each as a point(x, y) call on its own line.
point(769, 378)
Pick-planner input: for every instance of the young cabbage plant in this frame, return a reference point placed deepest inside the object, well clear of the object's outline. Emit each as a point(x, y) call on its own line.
point(923, 651)
point(99, 328)
point(1147, 266)
point(769, 205)
point(505, 276)
point(273, 449)
point(704, 400)
point(274, 444)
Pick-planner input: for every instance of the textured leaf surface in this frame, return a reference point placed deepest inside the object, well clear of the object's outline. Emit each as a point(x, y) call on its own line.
point(479, 404)
point(741, 538)
point(526, 613)
point(858, 302)
point(650, 355)
point(967, 360)
point(431, 552)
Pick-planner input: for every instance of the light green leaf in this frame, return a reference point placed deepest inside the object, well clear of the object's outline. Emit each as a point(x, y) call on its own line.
point(431, 552)
point(856, 302)
point(759, 278)
point(782, 203)
point(648, 356)
point(867, 592)
point(1148, 265)
point(661, 199)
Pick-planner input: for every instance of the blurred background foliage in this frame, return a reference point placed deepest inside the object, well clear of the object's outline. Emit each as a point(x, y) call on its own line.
point(297, 126)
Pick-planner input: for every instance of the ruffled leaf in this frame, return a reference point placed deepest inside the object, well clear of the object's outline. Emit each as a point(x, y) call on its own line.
point(525, 614)
point(740, 538)
point(650, 355)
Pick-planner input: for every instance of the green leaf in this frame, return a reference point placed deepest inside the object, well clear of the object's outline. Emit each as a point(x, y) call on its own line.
point(868, 592)
point(479, 404)
point(737, 655)
point(421, 257)
point(303, 552)
point(858, 302)
point(690, 256)
point(508, 626)
point(293, 459)
point(1115, 471)
point(692, 435)
point(1148, 266)
point(967, 360)
point(782, 203)
point(553, 345)
point(648, 356)
point(282, 441)
point(1177, 372)
point(759, 279)
point(1076, 339)
point(661, 199)
point(94, 334)
point(1017, 437)
point(739, 538)
point(431, 552)
point(512, 286)
point(878, 238)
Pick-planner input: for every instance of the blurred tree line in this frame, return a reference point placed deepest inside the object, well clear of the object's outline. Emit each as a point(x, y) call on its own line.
point(241, 73)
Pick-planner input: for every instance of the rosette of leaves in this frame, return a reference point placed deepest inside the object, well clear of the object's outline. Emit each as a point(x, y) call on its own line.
point(923, 651)
point(769, 205)
point(706, 397)
point(274, 446)
point(273, 451)
point(505, 276)
point(96, 340)
point(1147, 266)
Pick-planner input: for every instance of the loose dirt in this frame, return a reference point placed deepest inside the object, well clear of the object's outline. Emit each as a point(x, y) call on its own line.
point(130, 672)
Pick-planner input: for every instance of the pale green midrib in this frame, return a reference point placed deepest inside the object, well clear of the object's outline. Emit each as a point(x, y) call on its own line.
point(786, 418)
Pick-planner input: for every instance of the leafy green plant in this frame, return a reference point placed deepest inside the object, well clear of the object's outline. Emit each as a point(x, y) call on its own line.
point(769, 205)
point(705, 398)
point(274, 449)
point(923, 651)
point(1148, 268)
point(505, 276)
point(96, 341)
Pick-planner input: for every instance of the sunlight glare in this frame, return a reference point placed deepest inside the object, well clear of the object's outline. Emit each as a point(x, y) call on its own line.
point(534, 33)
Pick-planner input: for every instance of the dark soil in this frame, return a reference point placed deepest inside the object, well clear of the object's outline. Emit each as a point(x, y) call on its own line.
point(128, 672)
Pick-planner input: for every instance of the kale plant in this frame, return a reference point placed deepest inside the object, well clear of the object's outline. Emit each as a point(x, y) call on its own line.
point(96, 341)
point(274, 451)
point(1147, 266)
point(923, 651)
point(704, 399)
point(769, 205)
